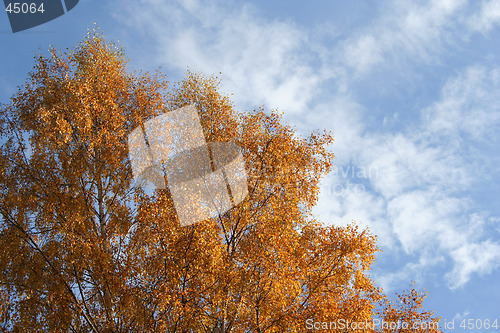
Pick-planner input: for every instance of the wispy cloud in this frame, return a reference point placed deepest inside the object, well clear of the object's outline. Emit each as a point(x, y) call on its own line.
point(479, 258)
point(468, 109)
point(406, 32)
point(487, 18)
point(265, 62)
point(419, 180)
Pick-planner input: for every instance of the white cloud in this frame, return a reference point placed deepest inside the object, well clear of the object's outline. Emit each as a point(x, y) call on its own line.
point(343, 115)
point(263, 62)
point(488, 17)
point(418, 217)
point(364, 52)
point(459, 317)
point(341, 201)
point(416, 192)
point(406, 32)
point(470, 105)
point(411, 271)
point(477, 258)
point(403, 163)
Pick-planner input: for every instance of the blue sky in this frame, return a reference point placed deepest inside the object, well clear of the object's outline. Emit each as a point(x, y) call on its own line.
point(410, 90)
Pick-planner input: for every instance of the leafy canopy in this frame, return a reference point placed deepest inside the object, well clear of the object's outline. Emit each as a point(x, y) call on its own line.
point(83, 249)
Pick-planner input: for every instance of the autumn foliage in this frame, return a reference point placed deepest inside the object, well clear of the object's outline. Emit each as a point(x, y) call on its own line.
point(83, 249)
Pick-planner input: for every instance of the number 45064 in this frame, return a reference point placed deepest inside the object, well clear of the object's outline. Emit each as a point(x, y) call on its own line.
point(24, 8)
point(478, 324)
